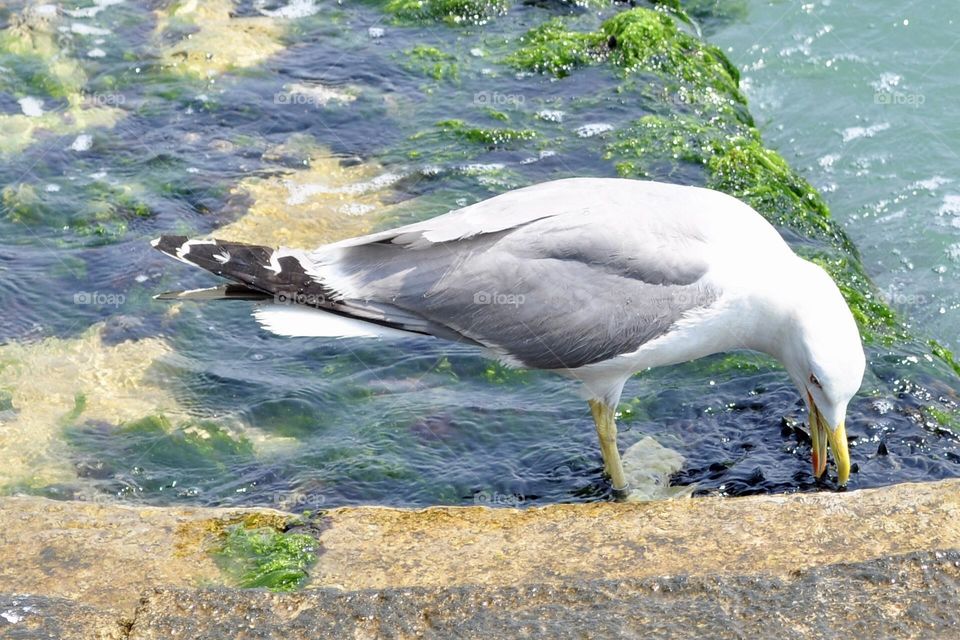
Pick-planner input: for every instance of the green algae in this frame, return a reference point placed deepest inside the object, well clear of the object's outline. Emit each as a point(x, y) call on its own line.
point(264, 557)
point(944, 354)
point(498, 373)
point(92, 209)
point(745, 169)
point(553, 49)
point(159, 452)
point(492, 138)
point(453, 12)
point(6, 400)
point(638, 41)
point(944, 418)
point(645, 40)
point(432, 62)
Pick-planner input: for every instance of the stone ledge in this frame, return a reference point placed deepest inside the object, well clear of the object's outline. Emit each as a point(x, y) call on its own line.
point(100, 560)
point(903, 596)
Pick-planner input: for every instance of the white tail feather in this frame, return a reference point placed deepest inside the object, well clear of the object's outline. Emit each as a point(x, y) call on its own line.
point(303, 322)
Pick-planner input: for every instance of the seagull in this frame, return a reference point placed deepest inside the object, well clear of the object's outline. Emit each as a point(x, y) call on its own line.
point(596, 279)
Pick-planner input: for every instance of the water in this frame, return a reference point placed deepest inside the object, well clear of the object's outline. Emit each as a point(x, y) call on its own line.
point(108, 394)
point(862, 97)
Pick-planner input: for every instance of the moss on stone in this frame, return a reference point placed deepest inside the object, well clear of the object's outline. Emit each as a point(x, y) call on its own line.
point(553, 49)
point(945, 418)
point(264, 557)
point(432, 62)
point(493, 138)
point(638, 40)
point(455, 12)
point(945, 355)
point(93, 209)
point(645, 40)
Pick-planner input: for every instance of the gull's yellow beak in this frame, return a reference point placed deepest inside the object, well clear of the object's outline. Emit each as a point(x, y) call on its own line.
point(822, 435)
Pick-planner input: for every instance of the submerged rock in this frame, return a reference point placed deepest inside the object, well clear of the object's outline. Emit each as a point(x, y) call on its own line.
point(304, 208)
point(219, 41)
point(58, 381)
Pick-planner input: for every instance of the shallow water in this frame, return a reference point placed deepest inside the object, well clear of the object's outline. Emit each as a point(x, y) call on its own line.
point(216, 411)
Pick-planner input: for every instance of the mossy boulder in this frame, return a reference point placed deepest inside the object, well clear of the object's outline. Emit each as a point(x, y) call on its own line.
point(553, 49)
point(637, 41)
point(455, 12)
point(432, 62)
point(490, 137)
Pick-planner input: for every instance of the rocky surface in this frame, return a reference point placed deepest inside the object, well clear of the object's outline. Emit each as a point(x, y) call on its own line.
point(868, 563)
point(903, 596)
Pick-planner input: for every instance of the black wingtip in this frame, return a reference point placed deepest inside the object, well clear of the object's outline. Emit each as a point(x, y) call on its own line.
point(169, 244)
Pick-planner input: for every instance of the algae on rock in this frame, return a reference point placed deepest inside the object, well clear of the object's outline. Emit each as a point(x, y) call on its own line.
point(454, 12)
point(35, 67)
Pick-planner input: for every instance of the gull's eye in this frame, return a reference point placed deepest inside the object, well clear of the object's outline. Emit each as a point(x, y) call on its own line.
point(815, 382)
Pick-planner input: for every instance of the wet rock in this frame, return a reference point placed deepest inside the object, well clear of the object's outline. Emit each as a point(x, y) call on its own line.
point(873, 563)
point(900, 596)
point(30, 617)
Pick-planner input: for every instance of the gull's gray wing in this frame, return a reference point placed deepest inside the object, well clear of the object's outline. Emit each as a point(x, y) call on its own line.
point(554, 276)
point(567, 282)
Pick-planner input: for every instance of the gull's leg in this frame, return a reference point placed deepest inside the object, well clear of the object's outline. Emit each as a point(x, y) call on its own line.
point(603, 418)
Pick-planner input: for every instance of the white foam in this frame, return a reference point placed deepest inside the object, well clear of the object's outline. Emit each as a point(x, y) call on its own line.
point(300, 193)
point(82, 29)
point(82, 142)
point(855, 133)
point(950, 206)
point(551, 115)
point(89, 12)
point(31, 107)
point(930, 184)
point(593, 129)
point(648, 466)
point(827, 161)
point(294, 9)
point(888, 81)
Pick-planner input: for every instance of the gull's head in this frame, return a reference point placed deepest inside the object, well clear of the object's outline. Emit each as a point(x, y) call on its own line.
point(822, 352)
